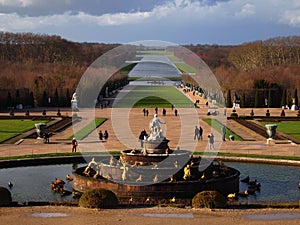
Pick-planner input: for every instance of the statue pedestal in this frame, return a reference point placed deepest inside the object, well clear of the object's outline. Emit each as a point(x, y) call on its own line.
point(271, 141)
point(40, 140)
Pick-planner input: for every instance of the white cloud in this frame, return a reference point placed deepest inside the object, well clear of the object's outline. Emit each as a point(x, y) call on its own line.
point(291, 18)
point(31, 3)
point(18, 3)
point(246, 10)
point(13, 22)
point(178, 14)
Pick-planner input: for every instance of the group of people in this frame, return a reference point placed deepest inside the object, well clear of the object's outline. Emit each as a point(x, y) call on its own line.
point(198, 133)
point(102, 136)
point(164, 111)
point(199, 136)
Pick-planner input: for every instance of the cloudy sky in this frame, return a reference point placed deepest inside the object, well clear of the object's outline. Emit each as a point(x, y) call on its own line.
point(177, 21)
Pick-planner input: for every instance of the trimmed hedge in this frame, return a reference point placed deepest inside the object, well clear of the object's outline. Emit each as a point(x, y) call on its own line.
point(98, 198)
point(5, 197)
point(209, 199)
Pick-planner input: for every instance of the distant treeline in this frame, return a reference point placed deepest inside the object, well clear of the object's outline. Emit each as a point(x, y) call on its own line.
point(35, 67)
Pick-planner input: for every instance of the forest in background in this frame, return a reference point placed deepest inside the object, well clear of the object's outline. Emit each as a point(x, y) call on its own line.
point(34, 68)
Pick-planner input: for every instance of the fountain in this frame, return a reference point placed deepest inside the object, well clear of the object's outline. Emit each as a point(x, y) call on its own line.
point(271, 131)
point(155, 171)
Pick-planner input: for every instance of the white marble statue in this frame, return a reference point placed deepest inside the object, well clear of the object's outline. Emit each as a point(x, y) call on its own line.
point(74, 101)
point(155, 129)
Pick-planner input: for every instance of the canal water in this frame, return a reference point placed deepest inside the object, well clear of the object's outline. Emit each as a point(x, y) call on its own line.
point(278, 183)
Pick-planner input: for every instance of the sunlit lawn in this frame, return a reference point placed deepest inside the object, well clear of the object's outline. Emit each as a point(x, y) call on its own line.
point(218, 127)
point(10, 128)
point(88, 129)
point(291, 128)
point(154, 96)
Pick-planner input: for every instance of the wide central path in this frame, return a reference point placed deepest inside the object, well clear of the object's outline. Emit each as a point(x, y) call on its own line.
point(255, 144)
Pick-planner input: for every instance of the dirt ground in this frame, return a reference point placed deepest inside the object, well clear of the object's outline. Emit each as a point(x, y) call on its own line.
point(49, 215)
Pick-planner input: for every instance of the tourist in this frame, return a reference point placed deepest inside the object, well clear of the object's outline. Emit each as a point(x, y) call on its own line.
point(211, 141)
point(147, 112)
point(46, 138)
point(100, 134)
point(105, 135)
point(200, 133)
point(144, 111)
point(176, 112)
point(164, 112)
point(196, 134)
point(223, 133)
point(156, 110)
point(142, 137)
point(74, 145)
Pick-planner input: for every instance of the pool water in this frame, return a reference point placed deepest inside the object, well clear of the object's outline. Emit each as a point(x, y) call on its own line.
point(278, 183)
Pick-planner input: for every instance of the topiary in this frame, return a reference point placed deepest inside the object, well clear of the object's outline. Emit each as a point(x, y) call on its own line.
point(5, 197)
point(209, 199)
point(98, 198)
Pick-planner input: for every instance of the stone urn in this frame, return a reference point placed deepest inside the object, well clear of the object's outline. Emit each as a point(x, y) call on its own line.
point(40, 129)
point(271, 130)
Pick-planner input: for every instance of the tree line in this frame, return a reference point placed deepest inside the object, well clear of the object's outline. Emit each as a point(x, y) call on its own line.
point(35, 68)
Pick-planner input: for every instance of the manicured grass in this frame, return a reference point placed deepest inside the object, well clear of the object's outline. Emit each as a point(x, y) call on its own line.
point(218, 127)
point(127, 68)
point(10, 128)
point(154, 96)
point(154, 79)
point(185, 68)
point(291, 128)
point(152, 101)
point(88, 129)
point(295, 158)
point(182, 66)
point(154, 52)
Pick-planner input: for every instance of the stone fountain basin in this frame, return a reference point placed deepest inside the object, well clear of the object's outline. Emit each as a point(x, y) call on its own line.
point(130, 157)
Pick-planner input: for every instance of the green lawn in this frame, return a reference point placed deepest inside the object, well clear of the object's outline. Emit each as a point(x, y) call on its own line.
point(291, 128)
point(218, 126)
point(88, 129)
point(185, 68)
point(154, 52)
point(11, 128)
point(154, 96)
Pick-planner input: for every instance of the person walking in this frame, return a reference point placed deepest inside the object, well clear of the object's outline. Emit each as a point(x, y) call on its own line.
point(176, 112)
point(142, 137)
point(211, 138)
point(223, 133)
point(100, 135)
point(200, 133)
point(196, 134)
point(74, 145)
point(105, 135)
